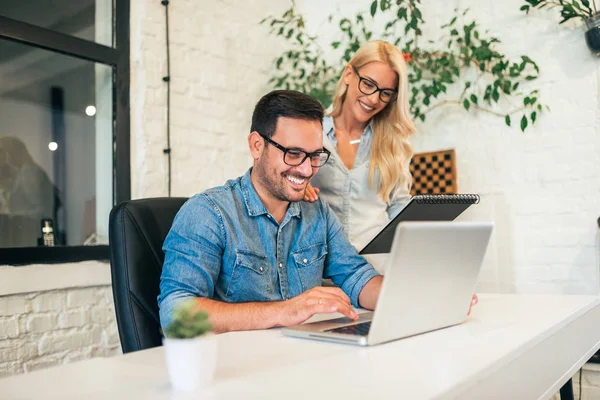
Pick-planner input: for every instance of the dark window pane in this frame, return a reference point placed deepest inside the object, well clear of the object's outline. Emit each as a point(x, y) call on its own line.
point(85, 19)
point(56, 141)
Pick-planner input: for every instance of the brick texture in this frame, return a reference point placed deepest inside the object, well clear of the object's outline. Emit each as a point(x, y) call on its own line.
point(38, 330)
point(544, 183)
point(547, 179)
point(542, 187)
point(220, 62)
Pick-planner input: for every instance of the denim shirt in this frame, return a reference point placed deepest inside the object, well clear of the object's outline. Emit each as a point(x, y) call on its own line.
point(361, 211)
point(224, 245)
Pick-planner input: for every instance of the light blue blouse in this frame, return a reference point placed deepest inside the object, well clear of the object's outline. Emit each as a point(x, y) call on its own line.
point(360, 210)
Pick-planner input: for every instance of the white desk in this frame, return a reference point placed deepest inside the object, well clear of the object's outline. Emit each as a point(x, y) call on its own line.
point(512, 347)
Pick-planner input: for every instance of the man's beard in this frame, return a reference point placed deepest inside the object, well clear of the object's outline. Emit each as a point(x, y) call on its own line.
point(276, 183)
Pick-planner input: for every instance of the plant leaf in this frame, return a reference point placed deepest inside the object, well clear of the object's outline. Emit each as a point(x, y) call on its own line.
point(523, 123)
point(373, 8)
point(507, 120)
point(495, 95)
point(402, 13)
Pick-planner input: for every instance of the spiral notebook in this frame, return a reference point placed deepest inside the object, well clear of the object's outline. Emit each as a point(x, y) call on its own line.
point(421, 208)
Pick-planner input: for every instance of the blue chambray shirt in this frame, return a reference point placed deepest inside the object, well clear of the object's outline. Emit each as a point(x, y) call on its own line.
point(360, 210)
point(224, 245)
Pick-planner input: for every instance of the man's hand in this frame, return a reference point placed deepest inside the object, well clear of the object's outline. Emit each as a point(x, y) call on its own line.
point(474, 301)
point(227, 317)
point(318, 300)
point(311, 194)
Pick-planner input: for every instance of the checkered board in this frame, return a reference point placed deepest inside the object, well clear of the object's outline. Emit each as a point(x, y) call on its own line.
point(434, 173)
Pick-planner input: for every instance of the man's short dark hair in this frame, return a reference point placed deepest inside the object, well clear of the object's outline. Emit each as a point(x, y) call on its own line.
point(283, 103)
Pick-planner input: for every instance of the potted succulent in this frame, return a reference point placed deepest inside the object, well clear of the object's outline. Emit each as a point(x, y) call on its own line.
point(190, 347)
point(583, 9)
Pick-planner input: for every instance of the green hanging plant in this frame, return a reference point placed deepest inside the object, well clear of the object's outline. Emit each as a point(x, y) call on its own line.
point(483, 79)
point(582, 9)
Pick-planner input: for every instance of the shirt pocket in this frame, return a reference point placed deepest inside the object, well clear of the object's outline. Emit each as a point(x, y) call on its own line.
point(250, 278)
point(310, 262)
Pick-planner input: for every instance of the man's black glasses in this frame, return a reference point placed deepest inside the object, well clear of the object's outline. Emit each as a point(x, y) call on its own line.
point(295, 157)
point(368, 87)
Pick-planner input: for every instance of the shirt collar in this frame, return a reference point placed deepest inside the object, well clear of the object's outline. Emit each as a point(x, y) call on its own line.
point(254, 204)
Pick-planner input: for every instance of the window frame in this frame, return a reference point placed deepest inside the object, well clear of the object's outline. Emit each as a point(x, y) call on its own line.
point(118, 59)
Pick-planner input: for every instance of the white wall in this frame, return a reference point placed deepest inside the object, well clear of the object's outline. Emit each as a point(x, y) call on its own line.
point(220, 58)
point(55, 314)
point(542, 188)
point(546, 181)
point(39, 330)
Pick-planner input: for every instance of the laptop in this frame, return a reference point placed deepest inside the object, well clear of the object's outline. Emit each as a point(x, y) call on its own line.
point(429, 282)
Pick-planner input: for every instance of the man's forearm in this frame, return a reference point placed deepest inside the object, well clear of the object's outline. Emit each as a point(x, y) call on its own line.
point(227, 317)
point(370, 293)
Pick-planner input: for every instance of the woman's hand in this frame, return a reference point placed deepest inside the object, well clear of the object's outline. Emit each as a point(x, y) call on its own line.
point(311, 193)
point(474, 300)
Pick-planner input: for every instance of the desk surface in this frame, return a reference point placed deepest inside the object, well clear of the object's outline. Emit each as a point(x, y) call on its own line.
point(512, 346)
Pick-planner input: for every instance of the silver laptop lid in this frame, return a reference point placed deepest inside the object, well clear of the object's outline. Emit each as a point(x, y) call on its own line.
point(430, 277)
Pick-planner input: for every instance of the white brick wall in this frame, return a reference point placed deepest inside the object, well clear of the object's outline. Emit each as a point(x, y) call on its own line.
point(220, 59)
point(548, 179)
point(542, 188)
point(42, 329)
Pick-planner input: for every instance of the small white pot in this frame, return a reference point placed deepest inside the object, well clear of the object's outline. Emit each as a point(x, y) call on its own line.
point(191, 362)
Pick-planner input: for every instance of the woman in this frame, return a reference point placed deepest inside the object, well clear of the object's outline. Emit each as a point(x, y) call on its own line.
point(366, 180)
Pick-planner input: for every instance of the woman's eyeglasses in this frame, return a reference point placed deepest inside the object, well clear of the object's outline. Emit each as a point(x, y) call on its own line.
point(368, 87)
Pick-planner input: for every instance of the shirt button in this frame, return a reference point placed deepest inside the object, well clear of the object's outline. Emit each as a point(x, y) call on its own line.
point(260, 268)
point(305, 261)
point(280, 265)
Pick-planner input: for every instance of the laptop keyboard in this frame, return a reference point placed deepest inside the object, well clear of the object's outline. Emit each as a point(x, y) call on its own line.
point(361, 329)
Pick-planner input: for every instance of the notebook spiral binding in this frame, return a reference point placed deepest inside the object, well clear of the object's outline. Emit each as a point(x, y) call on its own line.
point(447, 199)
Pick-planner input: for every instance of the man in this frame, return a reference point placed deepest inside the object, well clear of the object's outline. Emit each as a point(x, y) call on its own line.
point(252, 252)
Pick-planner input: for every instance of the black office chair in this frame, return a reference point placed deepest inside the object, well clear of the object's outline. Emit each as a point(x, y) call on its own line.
point(137, 230)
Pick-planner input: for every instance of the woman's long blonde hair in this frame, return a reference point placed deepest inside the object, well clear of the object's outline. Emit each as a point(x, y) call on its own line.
point(391, 151)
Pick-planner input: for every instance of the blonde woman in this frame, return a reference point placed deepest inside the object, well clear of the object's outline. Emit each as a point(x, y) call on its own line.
point(366, 180)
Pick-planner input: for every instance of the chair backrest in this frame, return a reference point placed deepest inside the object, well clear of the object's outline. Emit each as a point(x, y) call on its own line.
point(137, 230)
